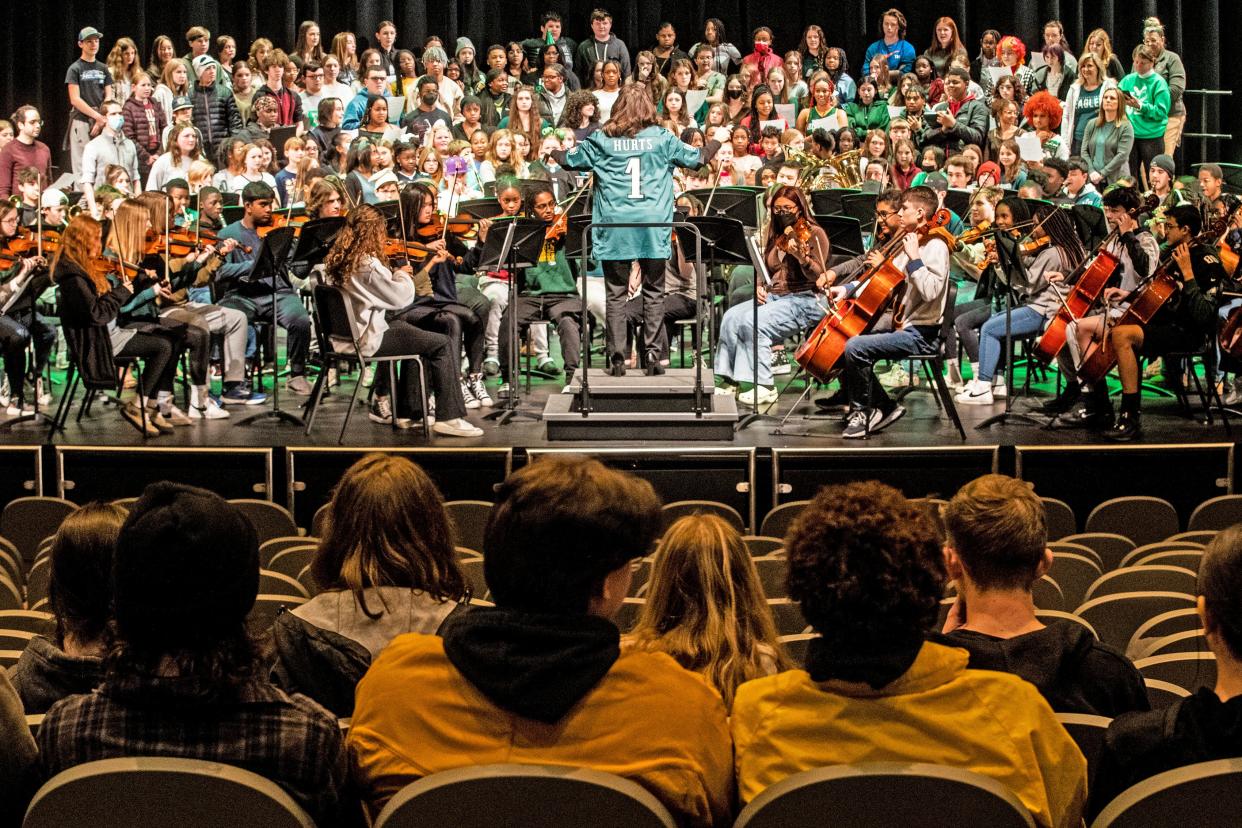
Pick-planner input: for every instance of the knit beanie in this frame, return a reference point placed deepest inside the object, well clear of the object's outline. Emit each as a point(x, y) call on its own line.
point(465, 43)
point(1165, 163)
point(186, 559)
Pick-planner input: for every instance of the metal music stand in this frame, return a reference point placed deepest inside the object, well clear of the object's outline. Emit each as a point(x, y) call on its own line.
point(1010, 264)
point(513, 244)
point(314, 241)
point(723, 242)
point(480, 208)
point(271, 263)
point(741, 203)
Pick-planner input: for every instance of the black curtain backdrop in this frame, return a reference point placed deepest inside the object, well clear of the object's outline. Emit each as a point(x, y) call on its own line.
point(37, 40)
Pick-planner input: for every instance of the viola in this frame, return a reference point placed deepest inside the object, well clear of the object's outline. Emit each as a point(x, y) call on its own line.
point(463, 226)
point(822, 353)
point(108, 264)
point(799, 233)
point(409, 250)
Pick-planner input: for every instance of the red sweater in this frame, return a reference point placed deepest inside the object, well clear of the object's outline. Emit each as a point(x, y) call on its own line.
point(16, 156)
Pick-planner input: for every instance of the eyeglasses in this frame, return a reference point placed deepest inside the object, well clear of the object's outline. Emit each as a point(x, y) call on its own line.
point(883, 214)
point(784, 211)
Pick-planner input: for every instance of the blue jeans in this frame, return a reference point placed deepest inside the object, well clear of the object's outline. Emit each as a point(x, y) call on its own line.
point(862, 352)
point(779, 318)
point(1025, 321)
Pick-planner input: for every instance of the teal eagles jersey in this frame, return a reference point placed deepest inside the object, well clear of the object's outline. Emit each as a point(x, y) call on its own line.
point(633, 183)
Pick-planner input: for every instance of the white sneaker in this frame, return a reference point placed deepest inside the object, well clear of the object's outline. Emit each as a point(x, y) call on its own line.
point(766, 395)
point(1235, 393)
point(726, 390)
point(976, 392)
point(17, 408)
point(45, 398)
point(780, 364)
point(459, 427)
point(381, 410)
point(479, 389)
point(467, 394)
point(368, 376)
point(897, 377)
point(1000, 388)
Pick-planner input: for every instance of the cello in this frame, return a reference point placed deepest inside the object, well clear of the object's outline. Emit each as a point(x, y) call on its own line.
point(821, 354)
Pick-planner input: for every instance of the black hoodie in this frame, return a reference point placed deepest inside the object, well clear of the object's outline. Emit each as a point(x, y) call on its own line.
point(537, 666)
point(1071, 669)
point(1198, 728)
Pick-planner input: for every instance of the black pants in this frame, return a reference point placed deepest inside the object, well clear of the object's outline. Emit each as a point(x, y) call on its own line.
point(968, 318)
point(158, 352)
point(564, 311)
point(16, 332)
point(1141, 154)
point(290, 314)
point(617, 283)
point(442, 375)
point(677, 306)
point(456, 321)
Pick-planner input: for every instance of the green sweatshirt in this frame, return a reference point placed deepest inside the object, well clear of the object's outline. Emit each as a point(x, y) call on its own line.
point(551, 274)
point(1152, 117)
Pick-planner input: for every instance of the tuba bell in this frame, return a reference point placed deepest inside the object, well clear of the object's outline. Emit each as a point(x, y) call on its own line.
point(849, 168)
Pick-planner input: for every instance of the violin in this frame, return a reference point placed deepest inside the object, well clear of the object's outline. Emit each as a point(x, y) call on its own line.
point(463, 226)
point(109, 264)
point(1032, 246)
point(821, 354)
point(559, 227)
point(973, 235)
point(409, 250)
point(179, 243)
point(796, 235)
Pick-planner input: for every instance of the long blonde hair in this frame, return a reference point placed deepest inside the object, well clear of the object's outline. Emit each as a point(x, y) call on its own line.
point(128, 234)
point(116, 64)
point(706, 607)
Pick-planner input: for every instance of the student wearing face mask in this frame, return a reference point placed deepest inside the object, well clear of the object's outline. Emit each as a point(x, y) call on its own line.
point(108, 148)
point(764, 58)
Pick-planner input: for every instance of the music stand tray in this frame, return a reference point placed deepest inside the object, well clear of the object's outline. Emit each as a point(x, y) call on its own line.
point(844, 234)
point(828, 202)
point(741, 203)
point(480, 208)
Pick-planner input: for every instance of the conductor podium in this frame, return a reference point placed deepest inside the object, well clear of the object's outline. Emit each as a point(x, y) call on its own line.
point(639, 407)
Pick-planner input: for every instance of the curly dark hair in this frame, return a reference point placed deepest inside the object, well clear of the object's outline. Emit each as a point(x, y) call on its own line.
point(571, 117)
point(866, 567)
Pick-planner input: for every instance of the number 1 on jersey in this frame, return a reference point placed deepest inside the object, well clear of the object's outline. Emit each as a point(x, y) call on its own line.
point(633, 168)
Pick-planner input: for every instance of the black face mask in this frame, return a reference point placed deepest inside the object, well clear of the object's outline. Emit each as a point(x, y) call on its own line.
point(429, 99)
point(733, 94)
point(781, 221)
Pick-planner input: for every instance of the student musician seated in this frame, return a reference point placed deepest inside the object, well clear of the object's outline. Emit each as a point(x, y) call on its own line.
point(550, 294)
point(358, 267)
point(917, 322)
point(1138, 252)
point(796, 256)
point(1036, 299)
point(1183, 323)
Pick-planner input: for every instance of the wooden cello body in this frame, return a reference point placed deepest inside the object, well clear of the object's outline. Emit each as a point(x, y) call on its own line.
point(1077, 304)
point(822, 354)
point(1100, 358)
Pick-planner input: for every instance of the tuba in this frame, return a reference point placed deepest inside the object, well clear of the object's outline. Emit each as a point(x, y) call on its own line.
point(849, 168)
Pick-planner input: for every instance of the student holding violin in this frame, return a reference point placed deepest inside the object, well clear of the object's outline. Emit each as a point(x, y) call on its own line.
point(924, 259)
point(255, 299)
point(437, 307)
point(358, 266)
point(1139, 253)
point(796, 256)
point(89, 306)
point(1183, 322)
point(1054, 250)
point(23, 269)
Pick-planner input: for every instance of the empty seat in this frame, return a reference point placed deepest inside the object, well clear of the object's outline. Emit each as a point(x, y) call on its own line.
point(1047, 594)
point(795, 647)
point(1050, 617)
point(885, 794)
point(292, 560)
point(680, 508)
point(1162, 694)
point(12, 567)
point(269, 548)
point(494, 796)
point(1077, 549)
point(1206, 795)
point(472, 568)
point(308, 582)
point(1154, 578)
point(762, 544)
point(1087, 731)
point(1140, 518)
point(1074, 574)
point(1162, 626)
point(40, 623)
point(10, 595)
point(1140, 552)
point(1059, 517)
point(640, 578)
point(1185, 558)
point(188, 793)
point(8, 658)
point(278, 583)
point(627, 615)
point(468, 519)
point(772, 573)
point(1203, 536)
point(1216, 513)
point(15, 639)
point(1109, 546)
point(787, 615)
point(1189, 641)
point(28, 520)
point(37, 580)
point(776, 522)
point(271, 520)
point(1116, 617)
point(319, 520)
point(1188, 670)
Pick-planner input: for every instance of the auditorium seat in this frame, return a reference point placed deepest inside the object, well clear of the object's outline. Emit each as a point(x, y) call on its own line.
point(627, 615)
point(1152, 578)
point(1074, 574)
point(37, 580)
point(772, 572)
point(787, 615)
point(496, 796)
point(1202, 536)
point(271, 520)
point(8, 658)
point(1162, 694)
point(1137, 554)
point(111, 793)
point(1206, 795)
point(292, 560)
point(15, 639)
point(267, 607)
point(468, 519)
point(1187, 641)
point(1185, 558)
point(307, 580)
point(1216, 513)
point(11, 566)
point(1087, 731)
point(760, 545)
point(1159, 626)
point(473, 570)
point(1188, 670)
point(278, 583)
point(1059, 517)
point(776, 522)
point(795, 647)
point(1047, 594)
point(885, 795)
point(1140, 518)
point(269, 548)
point(40, 623)
point(1050, 617)
point(680, 508)
point(1116, 617)
point(1109, 546)
point(10, 595)
point(1077, 549)
point(28, 520)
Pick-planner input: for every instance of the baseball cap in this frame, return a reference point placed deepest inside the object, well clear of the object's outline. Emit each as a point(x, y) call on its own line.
point(182, 102)
point(88, 33)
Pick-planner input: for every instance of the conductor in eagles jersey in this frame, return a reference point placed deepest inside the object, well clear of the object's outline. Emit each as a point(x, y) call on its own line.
point(633, 161)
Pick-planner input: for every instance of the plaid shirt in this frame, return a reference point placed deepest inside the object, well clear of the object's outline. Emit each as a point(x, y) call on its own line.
point(288, 739)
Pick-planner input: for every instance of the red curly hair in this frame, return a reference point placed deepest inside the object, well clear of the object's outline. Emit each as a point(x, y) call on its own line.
point(1045, 102)
point(1012, 42)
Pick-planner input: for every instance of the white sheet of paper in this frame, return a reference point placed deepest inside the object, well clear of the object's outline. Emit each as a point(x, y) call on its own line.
point(695, 99)
point(1037, 60)
point(997, 72)
point(787, 111)
point(396, 108)
point(895, 112)
point(1030, 147)
point(777, 122)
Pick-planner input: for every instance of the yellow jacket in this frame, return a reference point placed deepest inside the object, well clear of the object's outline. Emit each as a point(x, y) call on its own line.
point(647, 720)
point(992, 723)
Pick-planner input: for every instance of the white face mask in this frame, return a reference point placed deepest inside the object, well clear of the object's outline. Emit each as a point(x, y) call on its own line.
point(116, 122)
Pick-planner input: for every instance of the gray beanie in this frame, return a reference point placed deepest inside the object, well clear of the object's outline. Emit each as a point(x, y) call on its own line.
point(464, 43)
point(1165, 163)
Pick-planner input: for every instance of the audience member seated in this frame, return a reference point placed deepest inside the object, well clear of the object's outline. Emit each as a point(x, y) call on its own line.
point(19, 758)
point(540, 678)
point(181, 677)
point(80, 594)
point(1198, 728)
point(706, 607)
point(867, 569)
point(387, 566)
point(997, 548)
